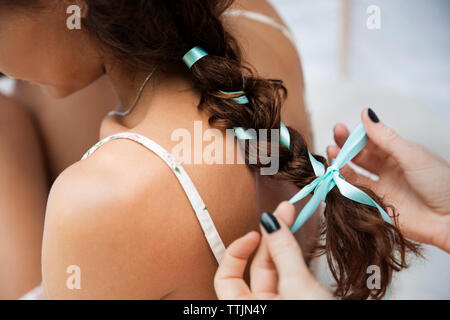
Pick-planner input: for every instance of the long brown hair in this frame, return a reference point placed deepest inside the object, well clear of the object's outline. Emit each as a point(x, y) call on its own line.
point(141, 33)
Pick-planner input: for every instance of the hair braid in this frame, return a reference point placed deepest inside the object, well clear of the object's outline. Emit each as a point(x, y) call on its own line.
point(356, 236)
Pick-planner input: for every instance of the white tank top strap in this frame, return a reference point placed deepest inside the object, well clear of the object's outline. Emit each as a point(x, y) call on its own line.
point(205, 220)
point(256, 16)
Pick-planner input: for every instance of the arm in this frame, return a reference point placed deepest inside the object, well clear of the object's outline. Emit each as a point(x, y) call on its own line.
point(60, 118)
point(23, 194)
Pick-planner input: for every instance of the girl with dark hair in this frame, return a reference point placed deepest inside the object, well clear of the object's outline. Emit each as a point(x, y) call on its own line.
point(120, 218)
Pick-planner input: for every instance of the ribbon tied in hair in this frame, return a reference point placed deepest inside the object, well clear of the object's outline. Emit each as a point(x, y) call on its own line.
point(327, 180)
point(197, 53)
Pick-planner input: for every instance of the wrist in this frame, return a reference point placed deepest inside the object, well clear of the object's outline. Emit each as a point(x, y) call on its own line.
point(440, 236)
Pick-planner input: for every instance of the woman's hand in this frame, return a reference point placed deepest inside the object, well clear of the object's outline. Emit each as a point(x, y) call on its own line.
point(278, 270)
point(411, 178)
point(414, 180)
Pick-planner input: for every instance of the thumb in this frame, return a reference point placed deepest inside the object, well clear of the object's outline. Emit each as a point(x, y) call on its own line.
point(408, 154)
point(286, 212)
point(284, 249)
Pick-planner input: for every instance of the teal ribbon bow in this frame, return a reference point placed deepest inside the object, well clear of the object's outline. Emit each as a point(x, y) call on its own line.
point(327, 180)
point(197, 53)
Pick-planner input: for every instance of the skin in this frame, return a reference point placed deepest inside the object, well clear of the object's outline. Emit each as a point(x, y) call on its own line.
point(77, 117)
point(414, 180)
point(23, 194)
point(278, 271)
point(28, 139)
point(105, 213)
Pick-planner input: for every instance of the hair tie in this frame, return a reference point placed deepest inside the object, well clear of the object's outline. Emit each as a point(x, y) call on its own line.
point(327, 180)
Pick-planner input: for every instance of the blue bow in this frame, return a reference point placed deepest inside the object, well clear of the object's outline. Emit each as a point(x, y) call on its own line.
point(327, 180)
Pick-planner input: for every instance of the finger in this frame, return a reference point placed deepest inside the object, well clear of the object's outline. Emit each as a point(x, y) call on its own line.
point(295, 279)
point(409, 155)
point(284, 250)
point(286, 212)
point(332, 152)
point(228, 280)
point(341, 134)
point(370, 158)
point(263, 274)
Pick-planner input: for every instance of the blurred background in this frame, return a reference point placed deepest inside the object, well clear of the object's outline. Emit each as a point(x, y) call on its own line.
point(401, 70)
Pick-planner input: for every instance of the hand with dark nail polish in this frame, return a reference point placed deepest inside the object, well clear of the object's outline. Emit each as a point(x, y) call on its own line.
point(411, 178)
point(372, 115)
point(278, 270)
point(269, 222)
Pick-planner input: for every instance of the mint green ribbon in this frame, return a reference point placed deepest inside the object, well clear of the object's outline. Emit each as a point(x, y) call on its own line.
point(197, 53)
point(327, 180)
point(285, 137)
point(193, 55)
point(241, 99)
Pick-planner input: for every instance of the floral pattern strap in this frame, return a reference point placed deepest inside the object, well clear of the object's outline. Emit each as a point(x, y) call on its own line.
point(205, 220)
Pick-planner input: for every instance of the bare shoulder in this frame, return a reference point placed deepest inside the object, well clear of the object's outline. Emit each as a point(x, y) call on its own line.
point(109, 216)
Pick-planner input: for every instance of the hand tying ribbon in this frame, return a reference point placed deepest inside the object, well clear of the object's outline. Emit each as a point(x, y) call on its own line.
point(327, 180)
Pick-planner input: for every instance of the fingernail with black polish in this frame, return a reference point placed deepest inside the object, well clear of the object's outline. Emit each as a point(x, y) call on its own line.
point(373, 116)
point(269, 222)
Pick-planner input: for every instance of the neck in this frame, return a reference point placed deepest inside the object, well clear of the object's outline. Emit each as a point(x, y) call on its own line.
point(156, 93)
point(126, 83)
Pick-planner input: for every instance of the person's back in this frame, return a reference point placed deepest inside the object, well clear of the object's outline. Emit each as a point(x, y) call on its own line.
point(167, 254)
point(156, 211)
point(138, 236)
